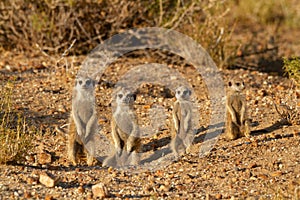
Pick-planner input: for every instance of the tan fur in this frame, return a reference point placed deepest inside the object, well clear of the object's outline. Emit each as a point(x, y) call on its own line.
point(125, 131)
point(237, 123)
point(182, 113)
point(83, 121)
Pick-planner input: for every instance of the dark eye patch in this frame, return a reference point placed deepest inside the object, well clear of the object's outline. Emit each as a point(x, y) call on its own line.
point(88, 82)
point(238, 84)
point(120, 95)
point(80, 82)
point(178, 92)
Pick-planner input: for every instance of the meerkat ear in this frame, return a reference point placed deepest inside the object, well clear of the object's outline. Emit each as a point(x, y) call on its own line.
point(229, 84)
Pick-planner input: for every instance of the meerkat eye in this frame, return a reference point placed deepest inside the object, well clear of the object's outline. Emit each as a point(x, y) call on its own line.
point(120, 95)
point(88, 82)
point(178, 92)
point(80, 82)
point(238, 84)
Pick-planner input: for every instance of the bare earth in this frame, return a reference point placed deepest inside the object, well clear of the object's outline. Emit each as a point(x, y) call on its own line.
point(266, 166)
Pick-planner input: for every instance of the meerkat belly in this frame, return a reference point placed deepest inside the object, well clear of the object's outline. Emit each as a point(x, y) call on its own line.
point(86, 111)
point(124, 123)
point(237, 106)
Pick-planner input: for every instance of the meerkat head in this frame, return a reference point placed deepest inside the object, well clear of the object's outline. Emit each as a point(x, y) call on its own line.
point(84, 83)
point(125, 96)
point(183, 93)
point(237, 85)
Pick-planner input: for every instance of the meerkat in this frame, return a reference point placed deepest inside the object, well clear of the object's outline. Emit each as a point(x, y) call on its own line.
point(182, 117)
point(237, 123)
point(83, 120)
point(125, 130)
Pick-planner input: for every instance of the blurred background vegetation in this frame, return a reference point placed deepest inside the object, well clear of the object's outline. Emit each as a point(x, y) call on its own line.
point(52, 25)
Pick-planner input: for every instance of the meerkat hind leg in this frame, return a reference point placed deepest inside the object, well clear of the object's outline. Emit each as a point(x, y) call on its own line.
point(245, 129)
point(176, 145)
point(110, 161)
point(89, 158)
point(133, 158)
point(233, 131)
point(72, 149)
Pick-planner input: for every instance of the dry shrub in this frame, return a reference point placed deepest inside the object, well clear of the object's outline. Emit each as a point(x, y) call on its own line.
point(289, 110)
point(204, 21)
point(54, 24)
point(278, 12)
point(16, 137)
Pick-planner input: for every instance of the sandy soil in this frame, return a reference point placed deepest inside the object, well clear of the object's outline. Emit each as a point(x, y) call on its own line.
point(265, 166)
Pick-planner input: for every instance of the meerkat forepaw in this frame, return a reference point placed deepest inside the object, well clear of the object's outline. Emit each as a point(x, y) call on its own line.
point(188, 149)
point(90, 161)
point(73, 161)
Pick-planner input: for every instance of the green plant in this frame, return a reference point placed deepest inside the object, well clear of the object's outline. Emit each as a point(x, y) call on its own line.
point(16, 136)
point(292, 68)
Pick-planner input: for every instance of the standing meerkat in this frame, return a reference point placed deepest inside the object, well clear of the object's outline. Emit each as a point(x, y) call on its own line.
point(83, 120)
point(125, 131)
point(237, 123)
point(182, 116)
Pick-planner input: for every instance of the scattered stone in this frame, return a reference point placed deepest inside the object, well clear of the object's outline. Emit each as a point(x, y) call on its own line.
point(253, 165)
point(262, 176)
point(164, 188)
point(100, 190)
point(31, 181)
point(147, 189)
point(61, 108)
point(27, 195)
point(44, 158)
point(276, 174)
point(102, 120)
point(49, 197)
point(80, 189)
point(89, 196)
point(296, 133)
point(218, 196)
point(48, 181)
point(234, 180)
point(29, 158)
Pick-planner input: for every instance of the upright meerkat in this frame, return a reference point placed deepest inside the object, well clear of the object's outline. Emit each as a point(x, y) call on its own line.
point(237, 123)
point(83, 120)
point(182, 116)
point(125, 131)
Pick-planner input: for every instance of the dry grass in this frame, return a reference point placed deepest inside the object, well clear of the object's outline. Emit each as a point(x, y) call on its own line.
point(283, 13)
point(16, 136)
point(53, 25)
